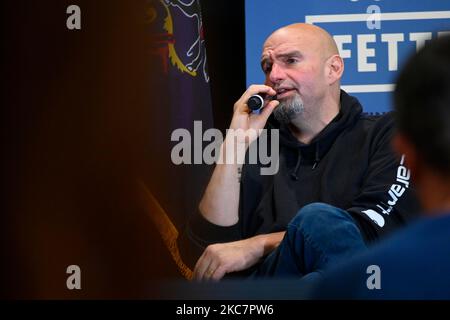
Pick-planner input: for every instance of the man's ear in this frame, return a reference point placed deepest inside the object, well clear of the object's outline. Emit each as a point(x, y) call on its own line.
point(403, 146)
point(335, 68)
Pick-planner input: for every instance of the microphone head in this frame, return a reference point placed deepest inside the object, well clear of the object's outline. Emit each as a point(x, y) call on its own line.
point(255, 102)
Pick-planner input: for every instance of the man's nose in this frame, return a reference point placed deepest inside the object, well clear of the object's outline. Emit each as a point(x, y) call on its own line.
point(277, 73)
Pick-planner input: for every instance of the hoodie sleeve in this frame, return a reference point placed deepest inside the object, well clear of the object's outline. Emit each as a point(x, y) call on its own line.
point(386, 200)
point(200, 233)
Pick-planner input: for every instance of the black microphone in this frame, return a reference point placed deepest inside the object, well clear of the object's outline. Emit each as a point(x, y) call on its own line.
point(256, 101)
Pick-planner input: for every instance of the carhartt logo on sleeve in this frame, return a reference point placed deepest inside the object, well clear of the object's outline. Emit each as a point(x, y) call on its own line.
point(396, 190)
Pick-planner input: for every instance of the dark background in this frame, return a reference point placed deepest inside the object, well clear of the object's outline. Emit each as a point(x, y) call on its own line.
point(225, 44)
point(75, 106)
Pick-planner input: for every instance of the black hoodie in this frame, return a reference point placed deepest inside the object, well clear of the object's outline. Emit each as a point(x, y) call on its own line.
point(349, 164)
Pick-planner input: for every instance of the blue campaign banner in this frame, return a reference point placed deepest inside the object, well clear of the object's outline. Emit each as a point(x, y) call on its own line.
point(374, 37)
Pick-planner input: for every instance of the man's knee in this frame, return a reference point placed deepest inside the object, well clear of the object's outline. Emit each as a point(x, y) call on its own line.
point(318, 214)
point(326, 230)
point(323, 222)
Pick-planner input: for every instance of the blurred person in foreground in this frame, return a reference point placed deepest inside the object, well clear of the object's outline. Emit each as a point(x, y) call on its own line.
point(414, 263)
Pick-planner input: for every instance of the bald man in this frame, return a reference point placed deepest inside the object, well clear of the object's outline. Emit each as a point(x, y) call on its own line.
point(339, 186)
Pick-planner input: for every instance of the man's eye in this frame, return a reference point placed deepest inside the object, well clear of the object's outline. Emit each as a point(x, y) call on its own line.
point(291, 60)
point(267, 68)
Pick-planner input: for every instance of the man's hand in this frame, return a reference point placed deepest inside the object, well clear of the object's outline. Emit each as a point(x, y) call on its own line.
point(244, 119)
point(222, 258)
point(220, 203)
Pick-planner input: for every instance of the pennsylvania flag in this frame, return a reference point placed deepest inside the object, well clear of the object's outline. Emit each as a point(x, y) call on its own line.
point(181, 82)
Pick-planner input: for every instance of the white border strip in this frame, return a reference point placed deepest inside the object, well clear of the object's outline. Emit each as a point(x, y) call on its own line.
point(364, 88)
point(419, 15)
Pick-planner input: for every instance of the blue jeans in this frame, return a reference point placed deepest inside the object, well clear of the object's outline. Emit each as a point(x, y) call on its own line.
point(317, 237)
